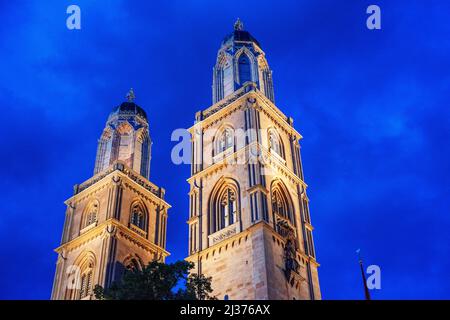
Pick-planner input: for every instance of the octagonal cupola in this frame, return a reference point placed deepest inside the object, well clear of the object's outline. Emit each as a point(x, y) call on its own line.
point(240, 60)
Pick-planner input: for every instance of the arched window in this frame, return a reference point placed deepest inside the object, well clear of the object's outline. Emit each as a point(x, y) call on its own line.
point(125, 143)
point(275, 143)
point(133, 263)
point(90, 215)
point(224, 205)
point(141, 156)
point(281, 202)
point(138, 216)
point(279, 205)
point(228, 208)
point(227, 79)
point(225, 140)
point(104, 150)
point(86, 284)
point(81, 277)
point(244, 69)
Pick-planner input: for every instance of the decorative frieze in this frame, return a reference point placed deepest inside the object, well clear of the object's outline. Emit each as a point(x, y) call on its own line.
point(223, 234)
point(119, 166)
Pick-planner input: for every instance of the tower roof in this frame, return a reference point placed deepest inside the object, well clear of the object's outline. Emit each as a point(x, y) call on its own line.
point(239, 34)
point(130, 107)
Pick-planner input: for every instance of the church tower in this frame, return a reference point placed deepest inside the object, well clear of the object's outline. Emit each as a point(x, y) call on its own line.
point(117, 219)
point(249, 222)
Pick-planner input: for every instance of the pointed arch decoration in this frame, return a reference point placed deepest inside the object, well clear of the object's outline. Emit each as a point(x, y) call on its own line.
point(139, 215)
point(223, 78)
point(265, 78)
point(104, 150)
point(133, 262)
point(224, 205)
point(224, 139)
point(80, 277)
point(275, 143)
point(282, 205)
point(125, 142)
point(244, 69)
point(141, 158)
point(90, 214)
point(245, 65)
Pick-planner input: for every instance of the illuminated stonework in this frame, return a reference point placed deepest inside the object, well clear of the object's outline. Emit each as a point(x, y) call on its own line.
point(249, 223)
point(117, 219)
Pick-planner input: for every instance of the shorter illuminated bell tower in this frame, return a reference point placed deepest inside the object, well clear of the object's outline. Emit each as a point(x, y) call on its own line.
point(117, 219)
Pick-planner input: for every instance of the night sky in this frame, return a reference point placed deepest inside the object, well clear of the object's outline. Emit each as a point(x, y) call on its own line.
point(373, 108)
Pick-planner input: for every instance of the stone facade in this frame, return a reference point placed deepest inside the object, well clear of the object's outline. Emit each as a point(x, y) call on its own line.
point(249, 222)
point(118, 218)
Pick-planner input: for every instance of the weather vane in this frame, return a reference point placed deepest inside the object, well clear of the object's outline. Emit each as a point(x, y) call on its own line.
point(238, 25)
point(130, 95)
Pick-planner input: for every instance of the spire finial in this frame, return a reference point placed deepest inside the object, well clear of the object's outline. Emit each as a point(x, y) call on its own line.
point(130, 95)
point(238, 25)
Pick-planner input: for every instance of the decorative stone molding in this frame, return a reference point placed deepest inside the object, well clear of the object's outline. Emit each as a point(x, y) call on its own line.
point(119, 166)
point(89, 227)
point(223, 234)
point(227, 100)
point(275, 163)
point(110, 230)
point(138, 230)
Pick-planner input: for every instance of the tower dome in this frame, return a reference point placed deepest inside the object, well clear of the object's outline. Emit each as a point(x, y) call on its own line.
point(129, 108)
point(125, 138)
point(240, 59)
point(239, 35)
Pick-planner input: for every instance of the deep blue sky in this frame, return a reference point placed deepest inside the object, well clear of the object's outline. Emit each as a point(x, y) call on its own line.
point(373, 107)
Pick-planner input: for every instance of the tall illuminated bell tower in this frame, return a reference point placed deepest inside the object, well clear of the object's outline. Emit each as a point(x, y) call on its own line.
point(249, 222)
point(117, 219)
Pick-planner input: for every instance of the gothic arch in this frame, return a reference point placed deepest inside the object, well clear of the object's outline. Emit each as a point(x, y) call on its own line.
point(81, 276)
point(139, 215)
point(222, 59)
point(142, 152)
point(281, 202)
point(265, 77)
point(251, 64)
point(262, 62)
point(104, 148)
point(223, 76)
point(124, 127)
point(124, 142)
point(224, 204)
point(223, 139)
point(275, 142)
point(90, 213)
point(133, 262)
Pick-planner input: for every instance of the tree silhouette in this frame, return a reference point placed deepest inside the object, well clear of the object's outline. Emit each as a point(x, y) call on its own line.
point(158, 281)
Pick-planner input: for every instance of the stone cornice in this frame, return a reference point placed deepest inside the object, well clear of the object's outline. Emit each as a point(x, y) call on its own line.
point(128, 177)
point(121, 166)
point(119, 230)
point(143, 192)
point(273, 161)
point(230, 104)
